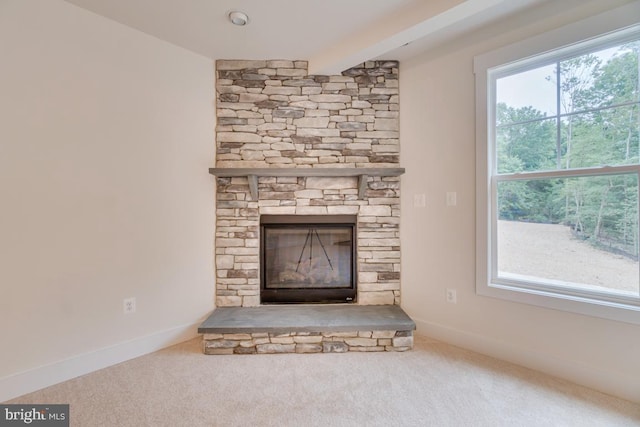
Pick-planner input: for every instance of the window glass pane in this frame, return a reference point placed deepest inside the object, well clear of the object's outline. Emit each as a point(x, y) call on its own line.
point(602, 137)
point(579, 233)
point(532, 89)
point(529, 146)
point(595, 120)
point(603, 78)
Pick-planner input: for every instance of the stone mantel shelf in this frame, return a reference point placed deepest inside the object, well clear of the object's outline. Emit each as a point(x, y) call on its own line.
point(253, 174)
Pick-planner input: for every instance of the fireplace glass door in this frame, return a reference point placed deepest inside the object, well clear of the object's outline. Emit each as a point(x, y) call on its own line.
point(309, 262)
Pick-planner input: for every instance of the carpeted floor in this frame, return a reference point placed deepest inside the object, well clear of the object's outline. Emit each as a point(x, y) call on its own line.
point(434, 385)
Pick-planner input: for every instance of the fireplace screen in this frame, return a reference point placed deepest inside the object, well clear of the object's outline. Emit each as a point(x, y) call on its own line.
point(307, 259)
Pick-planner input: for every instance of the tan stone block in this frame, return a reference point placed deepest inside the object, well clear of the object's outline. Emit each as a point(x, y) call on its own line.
point(308, 339)
point(281, 146)
point(378, 134)
point(403, 341)
point(252, 155)
point(383, 334)
point(207, 337)
point(332, 106)
point(278, 210)
point(328, 160)
point(360, 104)
point(351, 112)
point(361, 342)
point(378, 286)
point(279, 63)
point(348, 334)
point(384, 91)
point(294, 72)
point(330, 98)
point(237, 336)
point(379, 242)
point(312, 122)
point(228, 301)
point(233, 64)
point(281, 90)
point(309, 194)
point(222, 242)
point(312, 90)
point(334, 86)
point(384, 341)
point(375, 210)
point(376, 298)
point(276, 348)
point(342, 210)
point(251, 300)
point(311, 210)
point(367, 277)
point(318, 132)
point(282, 340)
point(333, 183)
point(340, 79)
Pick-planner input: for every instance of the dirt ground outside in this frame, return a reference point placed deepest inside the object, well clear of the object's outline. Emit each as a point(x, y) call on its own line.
point(550, 251)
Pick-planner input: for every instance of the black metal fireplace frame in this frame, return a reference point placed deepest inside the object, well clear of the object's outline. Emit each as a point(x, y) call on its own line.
point(345, 294)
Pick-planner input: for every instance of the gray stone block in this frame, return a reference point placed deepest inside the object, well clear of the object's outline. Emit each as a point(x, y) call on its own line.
point(334, 347)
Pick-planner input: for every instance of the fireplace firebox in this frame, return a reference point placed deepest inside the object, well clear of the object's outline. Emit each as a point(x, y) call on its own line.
point(307, 258)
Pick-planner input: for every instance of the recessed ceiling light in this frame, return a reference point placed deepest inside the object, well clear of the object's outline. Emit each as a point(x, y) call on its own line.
point(238, 18)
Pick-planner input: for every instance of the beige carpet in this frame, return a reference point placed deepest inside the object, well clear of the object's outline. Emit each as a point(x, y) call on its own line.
point(434, 385)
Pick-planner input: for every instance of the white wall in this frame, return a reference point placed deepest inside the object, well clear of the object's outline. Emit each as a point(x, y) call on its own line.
point(438, 151)
point(106, 135)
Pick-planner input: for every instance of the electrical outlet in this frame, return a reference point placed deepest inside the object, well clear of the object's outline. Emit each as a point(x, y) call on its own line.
point(452, 296)
point(420, 200)
point(129, 305)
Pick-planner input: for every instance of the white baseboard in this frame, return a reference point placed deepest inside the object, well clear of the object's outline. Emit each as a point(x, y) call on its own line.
point(44, 376)
point(625, 387)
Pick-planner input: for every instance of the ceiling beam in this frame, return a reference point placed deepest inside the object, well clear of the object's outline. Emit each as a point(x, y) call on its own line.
point(427, 19)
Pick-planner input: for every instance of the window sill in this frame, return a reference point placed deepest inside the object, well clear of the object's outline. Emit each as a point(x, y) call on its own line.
point(594, 308)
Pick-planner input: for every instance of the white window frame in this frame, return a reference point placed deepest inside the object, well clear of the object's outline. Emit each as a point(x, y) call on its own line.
point(609, 28)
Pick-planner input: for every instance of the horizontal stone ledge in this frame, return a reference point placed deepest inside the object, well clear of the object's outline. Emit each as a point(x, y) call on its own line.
point(307, 318)
point(318, 172)
point(252, 174)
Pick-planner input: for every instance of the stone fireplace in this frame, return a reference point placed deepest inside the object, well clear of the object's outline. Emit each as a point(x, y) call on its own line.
point(313, 148)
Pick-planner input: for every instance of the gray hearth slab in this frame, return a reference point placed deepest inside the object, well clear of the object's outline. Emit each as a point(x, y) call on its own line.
point(307, 318)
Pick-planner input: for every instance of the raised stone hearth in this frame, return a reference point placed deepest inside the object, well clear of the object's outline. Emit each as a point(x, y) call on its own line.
point(307, 329)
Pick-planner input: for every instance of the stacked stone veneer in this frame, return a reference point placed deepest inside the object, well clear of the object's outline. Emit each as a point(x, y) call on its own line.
point(272, 114)
point(307, 342)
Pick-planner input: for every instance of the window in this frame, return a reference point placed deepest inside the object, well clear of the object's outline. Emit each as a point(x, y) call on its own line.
point(558, 163)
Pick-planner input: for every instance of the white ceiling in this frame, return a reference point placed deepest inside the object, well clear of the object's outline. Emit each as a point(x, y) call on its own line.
point(332, 34)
